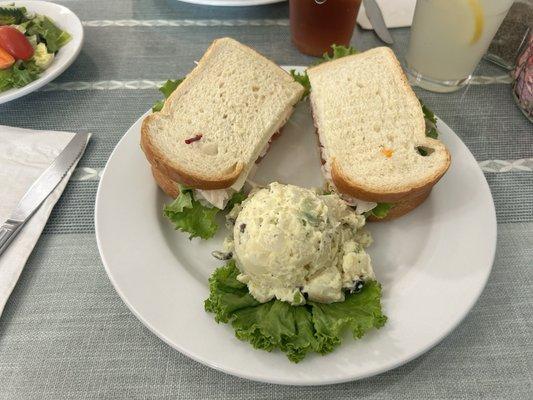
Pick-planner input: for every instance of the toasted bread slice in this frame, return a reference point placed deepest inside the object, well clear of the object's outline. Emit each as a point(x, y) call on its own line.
point(220, 118)
point(370, 126)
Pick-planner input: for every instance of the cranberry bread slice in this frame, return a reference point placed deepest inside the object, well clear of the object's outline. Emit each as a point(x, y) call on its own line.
point(217, 122)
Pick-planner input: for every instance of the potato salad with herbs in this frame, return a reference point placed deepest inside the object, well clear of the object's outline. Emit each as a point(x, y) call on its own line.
point(296, 275)
point(293, 244)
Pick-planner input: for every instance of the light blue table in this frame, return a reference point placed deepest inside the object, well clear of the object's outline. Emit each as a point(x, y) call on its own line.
point(65, 334)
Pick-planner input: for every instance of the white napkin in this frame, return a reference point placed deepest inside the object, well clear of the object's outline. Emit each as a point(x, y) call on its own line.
point(396, 13)
point(24, 155)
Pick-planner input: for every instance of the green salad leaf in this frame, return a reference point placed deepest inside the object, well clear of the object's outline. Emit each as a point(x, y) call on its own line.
point(428, 114)
point(5, 79)
point(167, 89)
point(431, 129)
point(189, 215)
point(169, 86)
point(303, 80)
point(47, 32)
point(422, 151)
point(338, 52)
point(432, 133)
point(237, 198)
point(19, 75)
point(380, 211)
point(295, 330)
point(11, 15)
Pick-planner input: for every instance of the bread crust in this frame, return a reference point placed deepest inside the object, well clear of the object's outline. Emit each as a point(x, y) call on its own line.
point(403, 207)
point(359, 191)
point(180, 173)
point(169, 186)
point(166, 184)
point(408, 195)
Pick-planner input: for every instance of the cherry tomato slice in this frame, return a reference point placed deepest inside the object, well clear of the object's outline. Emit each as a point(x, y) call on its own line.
point(6, 59)
point(15, 43)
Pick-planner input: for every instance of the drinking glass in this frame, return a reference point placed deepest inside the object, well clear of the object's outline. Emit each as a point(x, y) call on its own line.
point(317, 24)
point(448, 38)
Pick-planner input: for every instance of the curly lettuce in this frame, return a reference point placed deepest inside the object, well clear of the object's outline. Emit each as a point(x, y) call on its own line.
point(380, 211)
point(189, 215)
point(431, 122)
point(295, 330)
point(11, 15)
point(19, 75)
point(47, 32)
point(167, 89)
point(337, 52)
point(303, 80)
point(428, 114)
point(431, 127)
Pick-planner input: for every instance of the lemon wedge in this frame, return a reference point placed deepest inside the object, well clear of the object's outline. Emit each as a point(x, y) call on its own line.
point(479, 20)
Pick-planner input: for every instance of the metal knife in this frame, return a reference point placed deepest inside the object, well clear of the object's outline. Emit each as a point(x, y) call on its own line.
point(41, 189)
point(375, 16)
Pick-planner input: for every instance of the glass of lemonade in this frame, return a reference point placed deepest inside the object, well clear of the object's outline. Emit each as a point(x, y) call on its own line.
point(448, 38)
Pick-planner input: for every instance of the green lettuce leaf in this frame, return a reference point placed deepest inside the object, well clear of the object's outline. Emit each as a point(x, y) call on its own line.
point(237, 198)
point(47, 32)
point(431, 129)
point(19, 75)
point(432, 133)
point(428, 114)
point(5, 79)
point(11, 15)
point(169, 86)
point(295, 330)
point(189, 215)
point(303, 80)
point(380, 211)
point(359, 313)
point(422, 151)
point(338, 52)
point(167, 89)
point(227, 293)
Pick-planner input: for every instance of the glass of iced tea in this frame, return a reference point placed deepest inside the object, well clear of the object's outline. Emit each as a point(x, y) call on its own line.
point(317, 24)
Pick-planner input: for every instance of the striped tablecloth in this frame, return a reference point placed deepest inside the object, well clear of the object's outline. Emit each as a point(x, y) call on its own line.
point(65, 334)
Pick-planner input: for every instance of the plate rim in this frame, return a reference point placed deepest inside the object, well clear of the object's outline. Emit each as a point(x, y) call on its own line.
point(16, 93)
point(288, 381)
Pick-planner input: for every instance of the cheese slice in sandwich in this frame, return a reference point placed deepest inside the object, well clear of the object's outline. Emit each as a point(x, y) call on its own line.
point(371, 130)
point(219, 121)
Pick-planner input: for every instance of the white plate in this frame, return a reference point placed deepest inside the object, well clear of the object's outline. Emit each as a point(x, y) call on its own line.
point(433, 263)
point(232, 3)
point(66, 20)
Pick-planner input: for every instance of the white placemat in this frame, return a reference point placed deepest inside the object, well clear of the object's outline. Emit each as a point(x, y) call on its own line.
point(24, 155)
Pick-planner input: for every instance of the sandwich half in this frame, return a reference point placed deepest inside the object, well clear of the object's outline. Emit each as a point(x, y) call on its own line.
point(372, 133)
point(218, 122)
